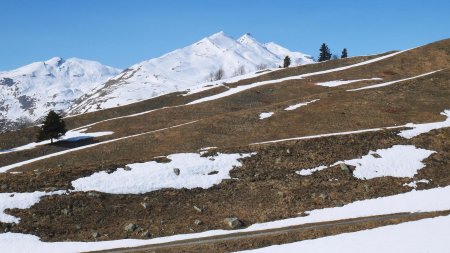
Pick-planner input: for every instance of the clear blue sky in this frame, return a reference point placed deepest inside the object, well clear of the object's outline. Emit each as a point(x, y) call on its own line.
point(121, 33)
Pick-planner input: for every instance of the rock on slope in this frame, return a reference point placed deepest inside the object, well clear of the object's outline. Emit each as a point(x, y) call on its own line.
point(187, 67)
point(28, 92)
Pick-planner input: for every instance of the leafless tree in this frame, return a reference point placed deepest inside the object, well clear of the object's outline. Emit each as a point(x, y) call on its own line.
point(239, 71)
point(219, 74)
point(261, 66)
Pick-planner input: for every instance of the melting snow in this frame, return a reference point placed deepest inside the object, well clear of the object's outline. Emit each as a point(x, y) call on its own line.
point(414, 183)
point(428, 235)
point(341, 82)
point(21, 201)
point(265, 115)
point(418, 129)
point(74, 135)
point(293, 107)
point(194, 171)
point(415, 201)
point(392, 82)
point(396, 161)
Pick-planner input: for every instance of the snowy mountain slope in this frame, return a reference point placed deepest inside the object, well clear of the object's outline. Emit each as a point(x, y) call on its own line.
point(30, 91)
point(187, 67)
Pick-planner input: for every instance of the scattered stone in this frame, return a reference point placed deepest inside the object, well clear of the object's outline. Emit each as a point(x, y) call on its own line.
point(233, 223)
point(198, 209)
point(95, 234)
point(127, 168)
point(145, 205)
point(198, 222)
point(130, 227)
point(288, 151)
point(281, 194)
point(176, 171)
point(65, 211)
point(366, 187)
point(213, 172)
point(376, 155)
point(278, 160)
point(323, 195)
point(78, 226)
point(94, 194)
point(146, 234)
point(345, 168)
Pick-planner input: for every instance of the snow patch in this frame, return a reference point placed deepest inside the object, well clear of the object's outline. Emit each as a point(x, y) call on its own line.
point(293, 107)
point(265, 115)
point(396, 161)
point(71, 136)
point(414, 183)
point(193, 171)
point(21, 201)
point(392, 82)
point(341, 82)
point(418, 129)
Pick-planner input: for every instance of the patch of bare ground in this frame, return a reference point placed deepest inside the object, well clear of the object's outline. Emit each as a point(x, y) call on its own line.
point(266, 189)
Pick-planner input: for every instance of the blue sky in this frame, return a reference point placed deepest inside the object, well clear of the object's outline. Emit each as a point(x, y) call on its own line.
point(121, 33)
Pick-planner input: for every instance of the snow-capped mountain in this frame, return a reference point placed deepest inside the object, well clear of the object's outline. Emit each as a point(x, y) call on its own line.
point(185, 68)
point(29, 92)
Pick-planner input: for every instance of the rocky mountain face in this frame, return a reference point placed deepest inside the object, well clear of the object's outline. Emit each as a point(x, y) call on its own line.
point(29, 92)
point(210, 59)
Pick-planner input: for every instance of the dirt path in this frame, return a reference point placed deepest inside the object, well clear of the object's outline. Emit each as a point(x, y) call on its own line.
point(342, 226)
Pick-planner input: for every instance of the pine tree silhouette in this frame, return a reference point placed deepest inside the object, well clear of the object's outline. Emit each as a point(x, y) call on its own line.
point(344, 53)
point(325, 53)
point(52, 128)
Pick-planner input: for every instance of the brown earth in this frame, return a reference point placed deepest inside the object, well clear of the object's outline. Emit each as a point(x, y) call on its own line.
point(267, 187)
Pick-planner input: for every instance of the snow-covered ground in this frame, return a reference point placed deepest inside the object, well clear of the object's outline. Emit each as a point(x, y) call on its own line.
point(296, 106)
point(415, 201)
point(392, 82)
point(265, 115)
point(336, 83)
point(187, 68)
point(396, 161)
point(32, 90)
point(71, 136)
point(241, 88)
point(185, 170)
point(427, 235)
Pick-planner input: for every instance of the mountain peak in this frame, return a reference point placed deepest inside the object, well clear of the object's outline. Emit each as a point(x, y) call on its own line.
point(54, 61)
point(247, 39)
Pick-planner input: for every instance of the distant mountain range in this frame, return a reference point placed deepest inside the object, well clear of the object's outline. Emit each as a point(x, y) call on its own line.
point(76, 86)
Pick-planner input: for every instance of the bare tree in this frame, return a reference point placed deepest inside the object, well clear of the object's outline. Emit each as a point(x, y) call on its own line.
point(261, 66)
point(239, 71)
point(219, 74)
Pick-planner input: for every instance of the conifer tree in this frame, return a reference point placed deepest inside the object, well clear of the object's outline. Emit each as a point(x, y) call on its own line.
point(344, 53)
point(53, 127)
point(287, 62)
point(325, 53)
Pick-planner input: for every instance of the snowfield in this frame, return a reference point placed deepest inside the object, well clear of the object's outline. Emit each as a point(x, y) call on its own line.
point(188, 68)
point(415, 201)
point(427, 235)
point(185, 170)
point(396, 161)
point(32, 90)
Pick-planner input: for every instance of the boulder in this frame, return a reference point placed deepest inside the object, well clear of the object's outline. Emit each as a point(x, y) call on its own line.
point(130, 227)
point(198, 222)
point(176, 171)
point(233, 223)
